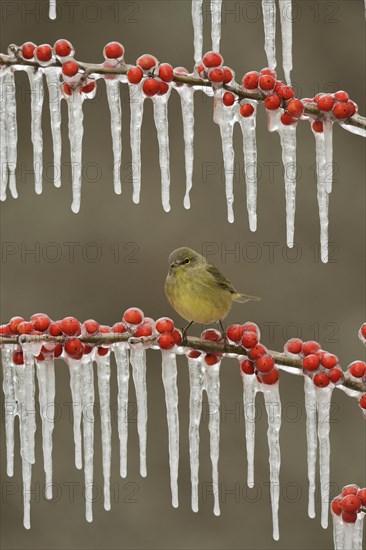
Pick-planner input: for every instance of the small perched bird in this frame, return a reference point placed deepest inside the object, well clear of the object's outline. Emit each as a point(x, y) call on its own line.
point(197, 290)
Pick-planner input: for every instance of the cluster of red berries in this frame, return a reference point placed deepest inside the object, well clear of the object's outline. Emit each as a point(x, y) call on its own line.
point(337, 106)
point(349, 502)
point(157, 76)
point(362, 333)
point(210, 335)
point(134, 323)
point(321, 366)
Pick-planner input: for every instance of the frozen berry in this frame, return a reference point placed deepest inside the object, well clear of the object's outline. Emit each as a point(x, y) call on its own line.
point(89, 87)
point(235, 333)
point(350, 503)
point(177, 335)
point(351, 108)
point(74, 347)
point(55, 328)
point(271, 377)
point(310, 362)
point(328, 360)
point(247, 366)
point(249, 339)
point(325, 102)
point(163, 87)
point(13, 324)
point(66, 88)
point(91, 326)
point(119, 328)
point(28, 50)
point(212, 59)
point(341, 95)
point(216, 75)
point(44, 53)
point(317, 126)
point(363, 330)
point(166, 341)
point(70, 68)
point(113, 50)
point(25, 327)
point(228, 75)
point(250, 80)
point(102, 351)
point(212, 335)
point(340, 111)
point(39, 357)
point(257, 352)
point(294, 345)
point(166, 72)
point(253, 328)
point(350, 490)
point(336, 507)
point(201, 70)
point(362, 496)
point(267, 70)
point(133, 316)
point(286, 92)
point(70, 326)
point(362, 401)
point(134, 75)
point(246, 110)
point(310, 347)
point(147, 62)
point(57, 352)
point(335, 375)
point(349, 517)
point(145, 329)
point(264, 363)
point(357, 369)
point(228, 99)
point(18, 358)
point(212, 358)
point(63, 48)
point(150, 87)
point(164, 324)
point(41, 321)
point(272, 102)
point(267, 82)
point(295, 108)
point(287, 119)
point(194, 354)
point(4, 330)
point(320, 379)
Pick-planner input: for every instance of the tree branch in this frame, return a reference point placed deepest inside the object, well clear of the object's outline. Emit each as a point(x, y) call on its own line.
point(15, 58)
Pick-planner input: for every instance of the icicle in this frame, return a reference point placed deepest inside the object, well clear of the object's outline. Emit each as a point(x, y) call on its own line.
point(137, 99)
point(311, 440)
point(212, 385)
point(36, 84)
point(248, 125)
point(104, 374)
point(169, 373)
point(225, 117)
point(288, 144)
point(323, 402)
point(54, 92)
point(187, 103)
point(161, 122)
point(88, 431)
point(11, 129)
point(197, 29)
point(196, 379)
point(76, 131)
point(285, 7)
point(328, 139)
point(250, 388)
point(347, 536)
point(76, 395)
point(273, 406)
point(114, 102)
point(3, 148)
point(323, 197)
point(138, 364)
point(46, 384)
point(123, 375)
point(269, 22)
point(216, 6)
point(52, 9)
point(30, 411)
point(10, 405)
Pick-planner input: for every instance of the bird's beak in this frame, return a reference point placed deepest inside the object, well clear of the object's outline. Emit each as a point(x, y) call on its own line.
point(173, 265)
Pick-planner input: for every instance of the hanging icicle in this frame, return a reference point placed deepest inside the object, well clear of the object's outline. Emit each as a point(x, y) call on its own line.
point(212, 387)
point(285, 7)
point(9, 127)
point(323, 398)
point(328, 141)
point(36, 85)
point(123, 376)
point(76, 132)
point(88, 431)
point(196, 380)
point(288, 144)
point(77, 405)
point(138, 364)
point(311, 439)
point(269, 22)
point(52, 10)
point(322, 173)
point(137, 99)
point(10, 405)
point(197, 29)
point(250, 389)
point(216, 7)
point(160, 105)
point(104, 374)
point(187, 103)
point(114, 102)
point(248, 128)
point(54, 93)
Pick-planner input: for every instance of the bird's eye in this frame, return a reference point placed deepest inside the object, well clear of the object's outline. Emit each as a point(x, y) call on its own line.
point(186, 261)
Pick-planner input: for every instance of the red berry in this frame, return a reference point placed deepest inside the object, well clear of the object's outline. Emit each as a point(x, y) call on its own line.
point(228, 75)
point(362, 401)
point(25, 327)
point(70, 68)
point(66, 88)
point(295, 108)
point(13, 324)
point(257, 352)
point(212, 359)
point(119, 328)
point(41, 321)
point(357, 369)
point(212, 335)
point(57, 352)
point(294, 345)
point(340, 111)
point(267, 71)
point(250, 80)
point(350, 503)
point(194, 354)
point(252, 327)
point(249, 339)
point(341, 95)
point(177, 335)
point(286, 92)
point(102, 351)
point(147, 62)
point(235, 333)
point(336, 508)
point(145, 329)
point(216, 75)
point(212, 59)
point(104, 329)
point(88, 349)
point(28, 50)
point(321, 379)
point(310, 362)
point(247, 366)
point(264, 363)
point(150, 87)
point(349, 517)
point(164, 324)
point(267, 82)
point(350, 490)
point(228, 99)
point(44, 53)
point(270, 378)
point(166, 341)
point(4, 330)
point(272, 102)
point(166, 72)
point(70, 326)
point(325, 102)
point(133, 316)
point(88, 88)
point(363, 330)
point(335, 375)
point(362, 496)
point(91, 326)
point(163, 88)
point(310, 347)
point(351, 108)
point(18, 358)
point(63, 48)
point(201, 70)
point(74, 348)
point(135, 75)
point(329, 360)
point(246, 109)
point(317, 126)
point(113, 50)
point(55, 328)
point(287, 119)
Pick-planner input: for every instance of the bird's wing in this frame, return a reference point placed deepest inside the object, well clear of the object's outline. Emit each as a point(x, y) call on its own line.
point(220, 280)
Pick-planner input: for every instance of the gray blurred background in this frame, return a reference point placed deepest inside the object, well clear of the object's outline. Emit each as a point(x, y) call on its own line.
point(120, 259)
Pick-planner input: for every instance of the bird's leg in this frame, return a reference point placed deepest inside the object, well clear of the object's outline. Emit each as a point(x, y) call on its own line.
point(184, 333)
point(223, 331)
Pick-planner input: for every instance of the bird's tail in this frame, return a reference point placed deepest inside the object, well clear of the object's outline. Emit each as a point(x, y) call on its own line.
point(242, 298)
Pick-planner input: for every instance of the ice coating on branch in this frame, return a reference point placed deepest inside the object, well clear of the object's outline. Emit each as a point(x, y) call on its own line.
point(10, 405)
point(138, 364)
point(88, 431)
point(54, 93)
point(288, 144)
point(328, 140)
point(197, 29)
point(196, 380)
point(354, 129)
point(76, 131)
point(160, 104)
point(311, 440)
point(347, 536)
point(250, 388)
point(212, 386)
point(248, 128)
point(75, 369)
point(322, 173)
point(216, 6)
point(187, 104)
point(37, 94)
point(285, 7)
point(104, 374)
point(123, 376)
point(169, 375)
point(137, 99)
point(323, 398)
point(9, 134)
point(114, 102)
point(269, 22)
point(46, 383)
point(52, 9)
